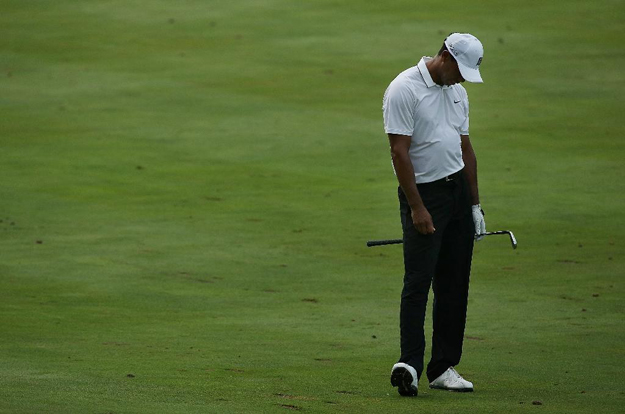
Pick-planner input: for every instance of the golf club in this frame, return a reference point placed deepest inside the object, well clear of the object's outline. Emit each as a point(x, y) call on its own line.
point(372, 243)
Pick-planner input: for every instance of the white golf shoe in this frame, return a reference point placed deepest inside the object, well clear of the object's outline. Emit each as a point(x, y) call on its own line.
point(405, 378)
point(452, 381)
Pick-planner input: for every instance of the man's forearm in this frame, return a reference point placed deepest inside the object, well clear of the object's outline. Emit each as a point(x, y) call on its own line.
point(406, 179)
point(400, 153)
point(470, 171)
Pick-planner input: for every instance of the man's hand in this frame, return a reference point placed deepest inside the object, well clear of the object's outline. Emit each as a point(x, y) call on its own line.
point(478, 221)
point(422, 221)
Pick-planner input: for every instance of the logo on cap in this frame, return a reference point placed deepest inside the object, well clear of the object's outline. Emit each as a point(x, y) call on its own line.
point(479, 61)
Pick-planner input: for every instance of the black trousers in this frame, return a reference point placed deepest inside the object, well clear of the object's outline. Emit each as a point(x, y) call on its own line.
point(441, 260)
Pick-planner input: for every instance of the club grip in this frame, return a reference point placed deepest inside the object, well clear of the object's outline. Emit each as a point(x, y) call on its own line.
point(372, 243)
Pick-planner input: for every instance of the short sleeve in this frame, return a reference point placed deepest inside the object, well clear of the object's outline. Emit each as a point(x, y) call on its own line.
point(398, 109)
point(464, 128)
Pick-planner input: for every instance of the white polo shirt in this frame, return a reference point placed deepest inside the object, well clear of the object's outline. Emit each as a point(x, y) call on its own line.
point(433, 116)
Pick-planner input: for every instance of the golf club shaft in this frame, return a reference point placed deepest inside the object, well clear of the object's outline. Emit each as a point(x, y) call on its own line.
point(372, 243)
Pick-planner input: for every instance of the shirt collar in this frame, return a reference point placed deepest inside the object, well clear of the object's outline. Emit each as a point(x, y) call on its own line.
point(425, 73)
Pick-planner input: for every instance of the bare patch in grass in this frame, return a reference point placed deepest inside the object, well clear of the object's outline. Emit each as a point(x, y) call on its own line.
point(570, 298)
point(291, 407)
point(474, 338)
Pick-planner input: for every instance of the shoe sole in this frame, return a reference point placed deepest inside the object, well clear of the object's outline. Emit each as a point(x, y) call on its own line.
point(452, 389)
point(402, 379)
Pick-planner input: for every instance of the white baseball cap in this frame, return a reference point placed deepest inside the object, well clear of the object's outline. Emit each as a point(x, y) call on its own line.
point(468, 52)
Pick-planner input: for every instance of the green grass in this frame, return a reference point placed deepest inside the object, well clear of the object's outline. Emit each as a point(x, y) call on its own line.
point(186, 190)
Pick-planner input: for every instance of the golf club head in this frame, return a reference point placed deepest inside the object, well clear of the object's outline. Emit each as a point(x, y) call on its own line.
point(508, 232)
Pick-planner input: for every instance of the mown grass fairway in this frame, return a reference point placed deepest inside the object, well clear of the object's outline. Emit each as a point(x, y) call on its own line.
point(187, 188)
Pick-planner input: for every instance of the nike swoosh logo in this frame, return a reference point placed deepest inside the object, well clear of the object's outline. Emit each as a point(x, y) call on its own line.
point(456, 101)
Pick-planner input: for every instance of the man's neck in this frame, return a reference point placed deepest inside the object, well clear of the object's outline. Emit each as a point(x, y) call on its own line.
point(433, 66)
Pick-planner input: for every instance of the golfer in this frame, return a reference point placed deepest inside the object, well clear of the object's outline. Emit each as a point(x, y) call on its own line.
point(426, 117)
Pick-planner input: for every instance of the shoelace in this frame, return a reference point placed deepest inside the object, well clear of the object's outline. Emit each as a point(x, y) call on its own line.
point(456, 377)
point(455, 373)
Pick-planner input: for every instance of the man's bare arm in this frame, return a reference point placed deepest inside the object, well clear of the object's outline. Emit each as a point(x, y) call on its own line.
point(470, 168)
point(421, 218)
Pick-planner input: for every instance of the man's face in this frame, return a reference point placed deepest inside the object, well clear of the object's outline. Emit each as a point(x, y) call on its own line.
point(450, 74)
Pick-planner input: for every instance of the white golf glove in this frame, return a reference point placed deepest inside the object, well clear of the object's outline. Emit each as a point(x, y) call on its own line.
point(478, 221)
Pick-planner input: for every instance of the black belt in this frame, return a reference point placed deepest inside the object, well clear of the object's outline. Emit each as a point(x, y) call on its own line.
point(453, 177)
